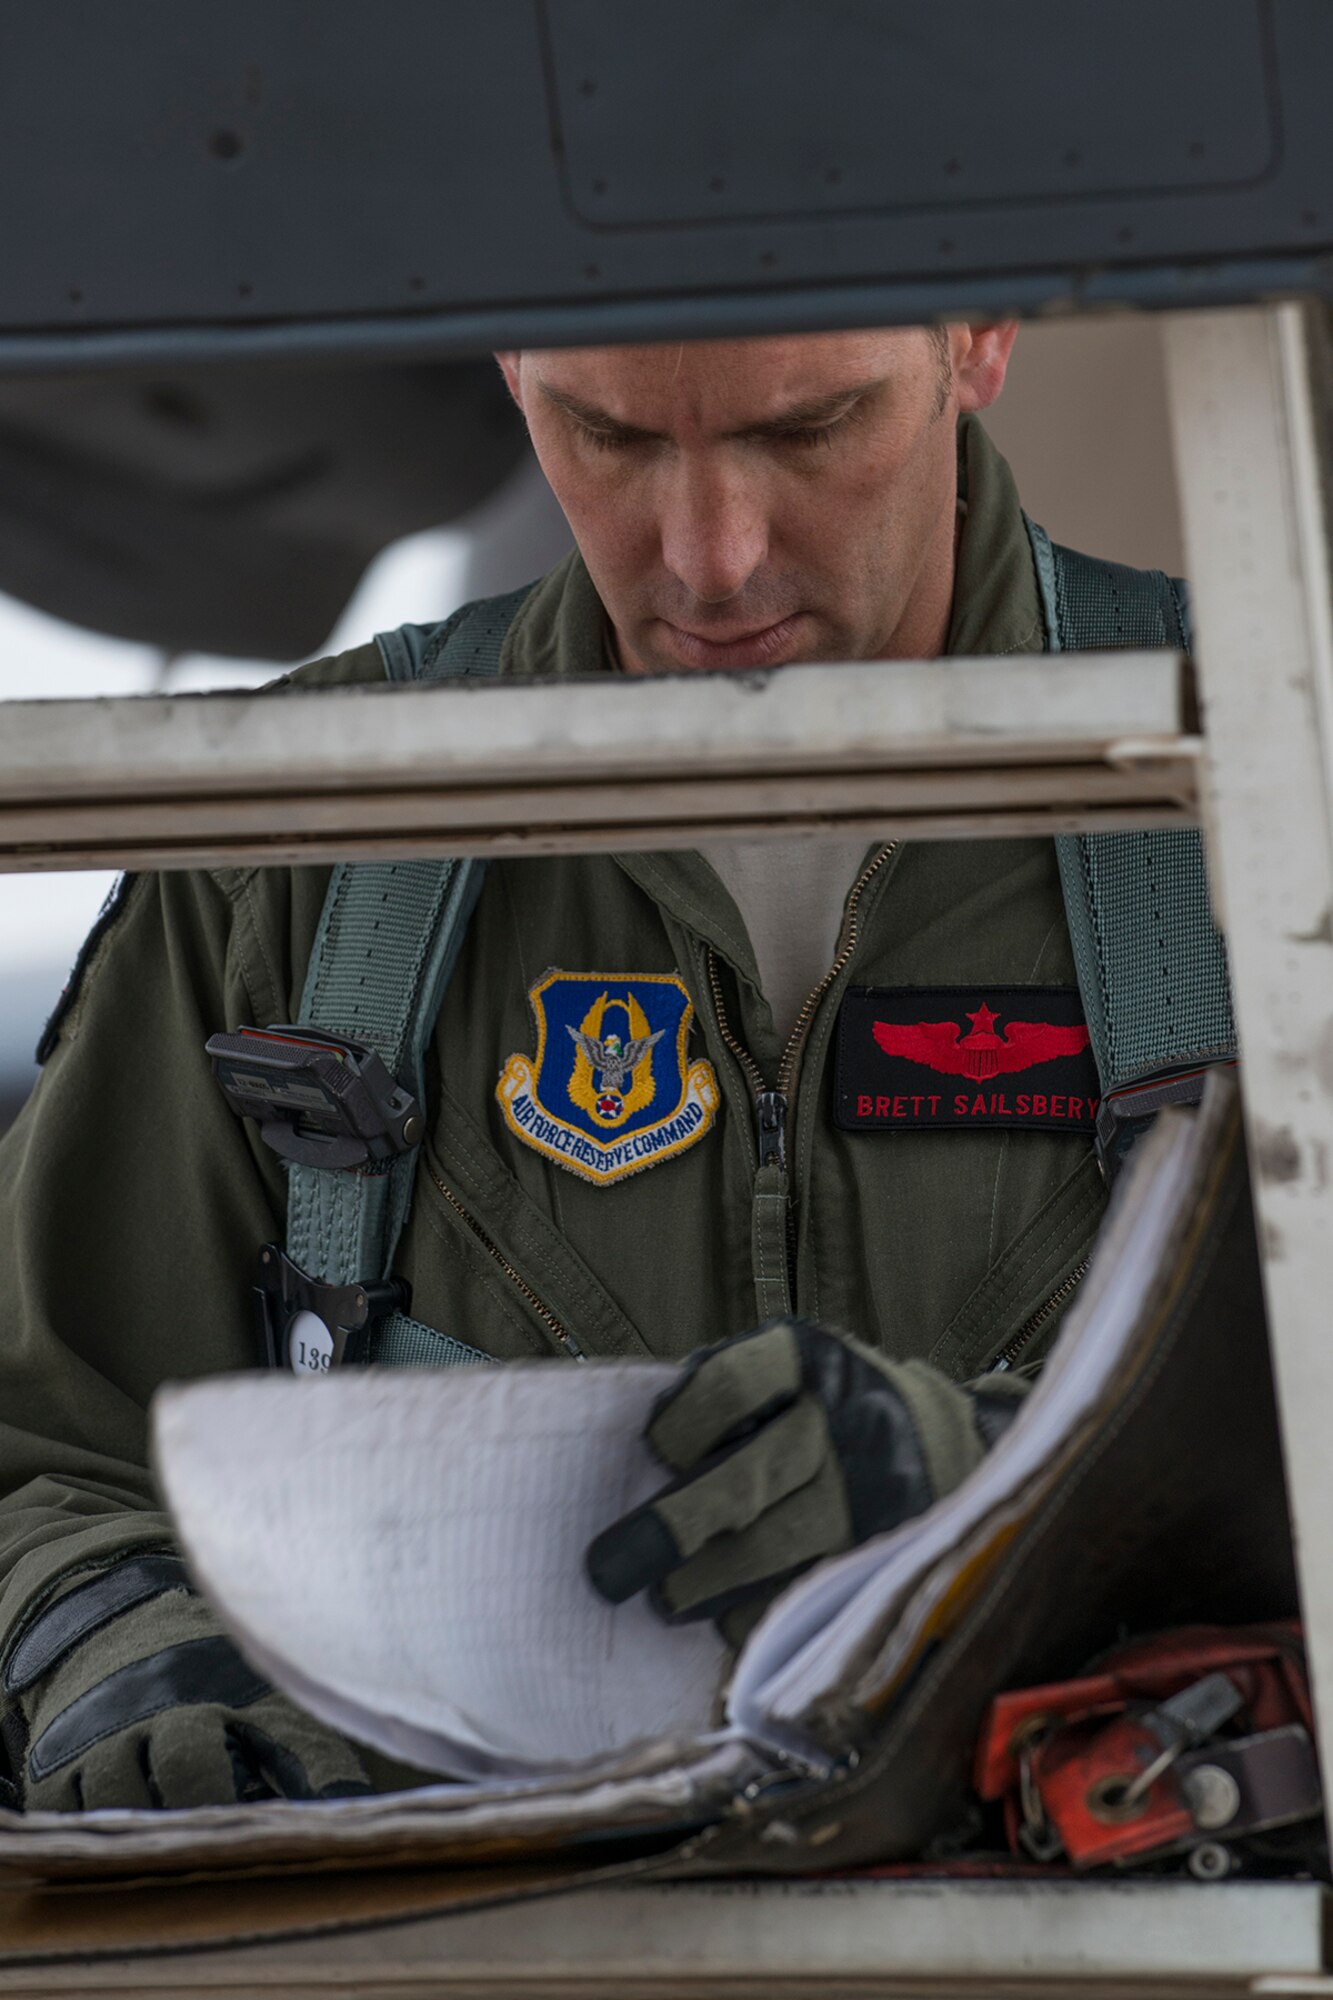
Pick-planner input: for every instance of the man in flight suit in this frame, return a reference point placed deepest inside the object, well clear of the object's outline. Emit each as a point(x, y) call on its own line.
point(595, 1179)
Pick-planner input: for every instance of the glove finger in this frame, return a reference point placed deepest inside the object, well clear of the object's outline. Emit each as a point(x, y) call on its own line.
point(740, 1487)
point(113, 1772)
point(645, 1546)
point(298, 1756)
point(807, 1525)
point(943, 1426)
point(189, 1758)
point(724, 1393)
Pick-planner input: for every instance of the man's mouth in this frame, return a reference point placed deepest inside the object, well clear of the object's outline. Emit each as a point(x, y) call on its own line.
point(759, 646)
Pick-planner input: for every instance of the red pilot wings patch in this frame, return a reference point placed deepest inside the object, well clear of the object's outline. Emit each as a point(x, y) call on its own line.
point(964, 1057)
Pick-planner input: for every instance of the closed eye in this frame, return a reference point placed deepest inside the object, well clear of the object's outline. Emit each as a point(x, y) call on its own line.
point(611, 440)
point(606, 441)
point(814, 434)
point(807, 435)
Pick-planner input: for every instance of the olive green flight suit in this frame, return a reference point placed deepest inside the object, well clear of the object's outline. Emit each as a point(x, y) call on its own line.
point(133, 1203)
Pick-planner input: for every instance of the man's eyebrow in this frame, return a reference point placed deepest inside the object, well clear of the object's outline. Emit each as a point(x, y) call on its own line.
point(811, 415)
point(592, 418)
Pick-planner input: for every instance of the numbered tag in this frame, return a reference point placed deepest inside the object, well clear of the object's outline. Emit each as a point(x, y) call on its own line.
point(309, 1345)
point(310, 1326)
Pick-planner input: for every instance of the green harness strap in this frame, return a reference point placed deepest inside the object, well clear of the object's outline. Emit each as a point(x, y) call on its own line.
point(1151, 963)
point(388, 940)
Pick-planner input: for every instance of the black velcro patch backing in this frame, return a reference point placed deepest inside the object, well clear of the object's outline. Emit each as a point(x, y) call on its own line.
point(958, 1058)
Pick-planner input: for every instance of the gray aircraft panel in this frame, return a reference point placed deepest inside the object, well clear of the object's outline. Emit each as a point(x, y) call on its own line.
point(192, 192)
point(900, 111)
point(183, 179)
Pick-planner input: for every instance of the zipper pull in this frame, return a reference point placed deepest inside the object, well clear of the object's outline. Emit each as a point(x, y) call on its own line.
point(771, 1116)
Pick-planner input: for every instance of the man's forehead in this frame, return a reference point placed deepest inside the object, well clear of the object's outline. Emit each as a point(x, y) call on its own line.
point(721, 384)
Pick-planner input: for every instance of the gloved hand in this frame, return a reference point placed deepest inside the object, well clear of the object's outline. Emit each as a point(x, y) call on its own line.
point(124, 1692)
point(790, 1444)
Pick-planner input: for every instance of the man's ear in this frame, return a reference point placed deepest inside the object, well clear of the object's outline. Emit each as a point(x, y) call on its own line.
point(509, 359)
point(980, 361)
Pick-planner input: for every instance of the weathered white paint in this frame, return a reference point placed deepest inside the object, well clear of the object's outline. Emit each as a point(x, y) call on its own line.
point(951, 747)
point(807, 1937)
point(1247, 441)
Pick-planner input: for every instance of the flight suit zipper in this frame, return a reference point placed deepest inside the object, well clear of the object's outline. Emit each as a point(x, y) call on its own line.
point(771, 1211)
point(1032, 1326)
point(559, 1331)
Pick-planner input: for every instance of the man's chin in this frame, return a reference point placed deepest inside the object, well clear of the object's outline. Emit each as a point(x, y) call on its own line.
point(671, 648)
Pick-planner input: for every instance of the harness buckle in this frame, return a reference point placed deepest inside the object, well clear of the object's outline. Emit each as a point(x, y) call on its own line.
point(309, 1326)
point(318, 1099)
point(1125, 1114)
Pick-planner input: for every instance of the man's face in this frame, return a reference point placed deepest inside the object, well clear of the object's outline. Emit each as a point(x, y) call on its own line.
point(749, 502)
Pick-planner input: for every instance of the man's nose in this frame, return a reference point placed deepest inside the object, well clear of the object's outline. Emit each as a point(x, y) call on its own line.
point(714, 529)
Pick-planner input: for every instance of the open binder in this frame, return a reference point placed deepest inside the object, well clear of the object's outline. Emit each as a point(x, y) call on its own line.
point(1141, 1487)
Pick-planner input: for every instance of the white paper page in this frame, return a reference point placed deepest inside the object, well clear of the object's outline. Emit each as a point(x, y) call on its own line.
point(403, 1552)
point(802, 1650)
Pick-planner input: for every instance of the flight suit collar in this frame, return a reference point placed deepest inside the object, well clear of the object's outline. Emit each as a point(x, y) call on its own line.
point(996, 604)
point(561, 631)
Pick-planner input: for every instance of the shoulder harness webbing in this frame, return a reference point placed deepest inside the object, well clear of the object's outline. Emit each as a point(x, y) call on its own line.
point(387, 942)
point(1151, 962)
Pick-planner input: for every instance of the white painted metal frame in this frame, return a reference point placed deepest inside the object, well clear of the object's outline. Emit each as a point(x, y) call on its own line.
point(941, 748)
point(806, 1940)
point(1252, 458)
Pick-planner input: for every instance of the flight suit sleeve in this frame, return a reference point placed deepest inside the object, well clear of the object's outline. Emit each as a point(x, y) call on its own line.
point(132, 1205)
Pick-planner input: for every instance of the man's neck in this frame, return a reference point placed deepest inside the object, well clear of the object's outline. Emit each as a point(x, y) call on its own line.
point(922, 632)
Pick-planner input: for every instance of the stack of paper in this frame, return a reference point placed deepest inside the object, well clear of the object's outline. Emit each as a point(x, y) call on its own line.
point(403, 1553)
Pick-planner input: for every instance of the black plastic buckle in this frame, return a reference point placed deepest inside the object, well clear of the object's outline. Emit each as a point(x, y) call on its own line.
point(1124, 1115)
point(310, 1327)
point(317, 1098)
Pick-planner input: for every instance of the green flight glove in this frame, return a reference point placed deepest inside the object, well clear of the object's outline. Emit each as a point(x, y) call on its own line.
point(790, 1444)
point(124, 1691)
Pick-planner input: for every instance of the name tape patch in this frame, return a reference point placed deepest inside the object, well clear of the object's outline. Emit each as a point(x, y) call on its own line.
point(960, 1058)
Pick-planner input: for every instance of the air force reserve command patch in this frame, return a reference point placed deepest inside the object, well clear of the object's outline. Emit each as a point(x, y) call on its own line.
point(961, 1058)
point(612, 1089)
